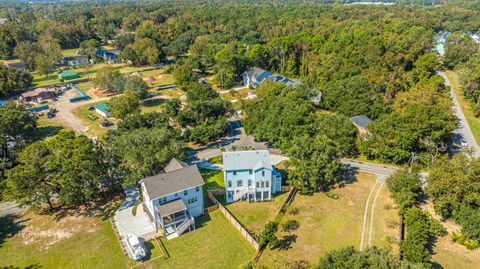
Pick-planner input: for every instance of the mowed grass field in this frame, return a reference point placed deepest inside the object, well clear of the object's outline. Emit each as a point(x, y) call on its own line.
point(93, 122)
point(254, 216)
point(473, 121)
point(214, 244)
point(326, 223)
point(68, 242)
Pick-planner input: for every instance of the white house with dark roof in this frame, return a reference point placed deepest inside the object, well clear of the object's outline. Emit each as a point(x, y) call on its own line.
point(174, 198)
point(250, 175)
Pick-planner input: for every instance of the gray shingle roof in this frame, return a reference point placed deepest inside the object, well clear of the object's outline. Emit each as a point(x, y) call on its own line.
point(174, 164)
point(246, 160)
point(171, 207)
point(174, 181)
point(361, 121)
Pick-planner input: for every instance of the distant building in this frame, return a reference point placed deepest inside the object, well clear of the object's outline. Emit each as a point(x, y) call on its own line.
point(361, 122)
point(16, 65)
point(68, 75)
point(75, 60)
point(109, 56)
point(174, 198)
point(250, 175)
point(38, 96)
point(255, 76)
point(102, 109)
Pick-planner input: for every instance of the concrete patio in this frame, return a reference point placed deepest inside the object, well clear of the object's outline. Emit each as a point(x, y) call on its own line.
point(126, 223)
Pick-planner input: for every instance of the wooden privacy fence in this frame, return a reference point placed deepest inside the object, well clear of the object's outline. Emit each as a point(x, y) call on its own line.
point(232, 220)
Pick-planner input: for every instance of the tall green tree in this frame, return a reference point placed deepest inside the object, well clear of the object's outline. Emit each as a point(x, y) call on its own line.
point(314, 165)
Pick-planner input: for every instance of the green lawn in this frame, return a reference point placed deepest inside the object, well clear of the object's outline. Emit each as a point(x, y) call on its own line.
point(325, 223)
point(452, 255)
point(213, 180)
point(70, 242)
point(70, 52)
point(473, 121)
point(153, 105)
point(89, 73)
point(159, 75)
point(92, 120)
point(254, 216)
point(216, 160)
point(214, 244)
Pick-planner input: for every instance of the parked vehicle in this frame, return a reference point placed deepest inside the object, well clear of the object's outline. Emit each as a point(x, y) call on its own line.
point(50, 115)
point(106, 123)
point(135, 248)
point(464, 143)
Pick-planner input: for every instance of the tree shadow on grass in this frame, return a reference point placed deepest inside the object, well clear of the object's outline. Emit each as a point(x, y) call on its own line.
point(153, 102)
point(10, 225)
point(202, 221)
point(286, 242)
point(46, 131)
point(31, 266)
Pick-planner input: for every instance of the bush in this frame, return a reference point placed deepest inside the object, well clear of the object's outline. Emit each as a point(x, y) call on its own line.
point(267, 236)
point(331, 194)
point(470, 244)
point(290, 225)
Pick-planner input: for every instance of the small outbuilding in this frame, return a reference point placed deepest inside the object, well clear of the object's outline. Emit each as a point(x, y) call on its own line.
point(361, 122)
point(102, 109)
point(68, 75)
point(21, 66)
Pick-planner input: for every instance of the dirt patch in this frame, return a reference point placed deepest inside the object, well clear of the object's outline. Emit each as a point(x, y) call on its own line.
point(102, 93)
point(45, 231)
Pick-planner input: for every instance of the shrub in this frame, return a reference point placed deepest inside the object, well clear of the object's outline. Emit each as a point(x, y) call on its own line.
point(331, 194)
point(290, 225)
point(267, 236)
point(470, 244)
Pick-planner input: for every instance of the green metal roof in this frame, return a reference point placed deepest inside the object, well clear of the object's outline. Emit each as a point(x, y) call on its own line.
point(102, 107)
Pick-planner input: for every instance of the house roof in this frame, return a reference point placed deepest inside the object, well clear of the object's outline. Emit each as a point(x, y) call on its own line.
point(75, 58)
point(171, 207)
point(246, 160)
point(16, 65)
point(361, 121)
point(174, 164)
point(171, 182)
point(102, 107)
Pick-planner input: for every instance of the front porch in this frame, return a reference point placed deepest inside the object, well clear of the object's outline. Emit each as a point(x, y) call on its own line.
point(174, 219)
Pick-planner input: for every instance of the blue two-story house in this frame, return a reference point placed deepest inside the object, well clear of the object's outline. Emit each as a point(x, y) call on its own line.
point(174, 198)
point(250, 175)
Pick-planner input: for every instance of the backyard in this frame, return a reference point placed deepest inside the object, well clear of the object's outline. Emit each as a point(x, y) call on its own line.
point(215, 244)
point(254, 216)
point(473, 121)
point(54, 241)
point(323, 223)
point(92, 120)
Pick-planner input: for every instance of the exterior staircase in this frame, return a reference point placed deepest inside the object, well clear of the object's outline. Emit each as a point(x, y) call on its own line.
point(237, 196)
point(182, 227)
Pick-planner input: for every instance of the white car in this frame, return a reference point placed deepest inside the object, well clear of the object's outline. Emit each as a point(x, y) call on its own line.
point(464, 143)
point(135, 248)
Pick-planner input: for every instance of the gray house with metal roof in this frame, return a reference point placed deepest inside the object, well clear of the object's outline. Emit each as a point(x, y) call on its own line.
point(255, 76)
point(250, 175)
point(174, 198)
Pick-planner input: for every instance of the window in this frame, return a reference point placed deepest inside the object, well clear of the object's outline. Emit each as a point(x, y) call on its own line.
point(266, 184)
point(258, 184)
point(263, 173)
point(185, 192)
point(263, 184)
point(250, 172)
point(176, 194)
point(164, 200)
point(229, 183)
point(240, 183)
point(249, 182)
point(197, 188)
point(234, 173)
point(195, 199)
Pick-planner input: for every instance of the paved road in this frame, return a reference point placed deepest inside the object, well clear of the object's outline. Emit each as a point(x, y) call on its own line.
point(463, 131)
point(10, 208)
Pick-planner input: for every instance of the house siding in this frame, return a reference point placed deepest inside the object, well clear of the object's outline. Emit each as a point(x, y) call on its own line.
point(266, 179)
